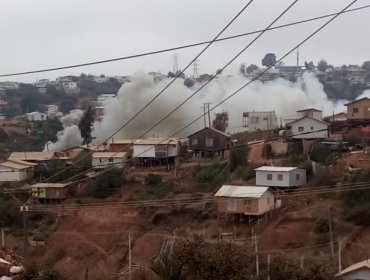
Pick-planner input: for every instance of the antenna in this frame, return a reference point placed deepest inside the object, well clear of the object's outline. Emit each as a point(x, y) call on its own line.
point(175, 68)
point(195, 68)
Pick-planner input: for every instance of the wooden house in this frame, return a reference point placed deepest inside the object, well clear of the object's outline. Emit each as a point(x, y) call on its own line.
point(101, 160)
point(209, 141)
point(358, 110)
point(50, 191)
point(247, 200)
point(274, 176)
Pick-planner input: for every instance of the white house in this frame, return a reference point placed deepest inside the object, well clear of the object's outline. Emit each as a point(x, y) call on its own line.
point(247, 200)
point(70, 86)
point(156, 148)
point(36, 116)
point(311, 112)
point(257, 121)
point(101, 160)
point(308, 128)
point(274, 176)
point(53, 111)
point(16, 171)
point(357, 271)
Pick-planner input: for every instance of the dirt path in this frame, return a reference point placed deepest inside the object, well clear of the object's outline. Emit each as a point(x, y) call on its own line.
point(359, 248)
point(255, 154)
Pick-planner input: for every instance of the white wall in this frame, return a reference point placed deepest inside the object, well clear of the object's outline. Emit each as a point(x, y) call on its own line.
point(14, 175)
point(308, 125)
point(144, 151)
point(314, 114)
point(104, 162)
point(36, 116)
point(361, 274)
point(288, 180)
point(261, 121)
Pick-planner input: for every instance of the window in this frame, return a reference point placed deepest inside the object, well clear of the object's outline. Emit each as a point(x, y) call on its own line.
point(110, 160)
point(248, 204)
point(297, 176)
point(269, 176)
point(311, 127)
point(209, 142)
point(280, 177)
point(194, 142)
point(300, 128)
point(355, 110)
point(231, 204)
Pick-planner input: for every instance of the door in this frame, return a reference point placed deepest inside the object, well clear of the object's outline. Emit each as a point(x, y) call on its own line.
point(231, 204)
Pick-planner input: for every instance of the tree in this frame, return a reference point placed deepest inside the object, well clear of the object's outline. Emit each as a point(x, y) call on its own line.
point(366, 65)
point(322, 65)
point(106, 183)
point(188, 82)
point(221, 121)
point(238, 157)
point(242, 68)
point(85, 125)
point(251, 68)
point(269, 59)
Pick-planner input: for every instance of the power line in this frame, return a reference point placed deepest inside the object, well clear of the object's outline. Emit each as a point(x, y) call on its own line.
point(207, 82)
point(245, 85)
point(176, 48)
point(170, 83)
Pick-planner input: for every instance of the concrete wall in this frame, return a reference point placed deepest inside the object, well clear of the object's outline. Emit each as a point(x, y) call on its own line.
point(14, 175)
point(308, 125)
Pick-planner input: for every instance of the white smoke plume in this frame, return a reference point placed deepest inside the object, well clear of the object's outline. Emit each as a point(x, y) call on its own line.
point(282, 96)
point(70, 136)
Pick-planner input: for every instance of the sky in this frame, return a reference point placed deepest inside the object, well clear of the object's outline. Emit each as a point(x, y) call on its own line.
point(40, 34)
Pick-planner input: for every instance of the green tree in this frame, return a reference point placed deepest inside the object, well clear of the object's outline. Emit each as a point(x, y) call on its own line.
point(322, 65)
point(269, 59)
point(221, 121)
point(106, 183)
point(188, 82)
point(242, 68)
point(85, 125)
point(238, 157)
point(251, 68)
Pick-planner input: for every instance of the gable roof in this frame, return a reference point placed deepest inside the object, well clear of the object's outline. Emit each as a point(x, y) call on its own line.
point(49, 185)
point(36, 156)
point(358, 100)
point(309, 109)
point(156, 141)
point(15, 165)
point(312, 118)
point(241, 191)
point(214, 130)
point(363, 264)
point(275, 168)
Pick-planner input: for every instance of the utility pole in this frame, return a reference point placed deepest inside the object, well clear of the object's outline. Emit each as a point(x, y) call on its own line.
point(209, 115)
point(340, 256)
point(175, 68)
point(204, 115)
point(206, 112)
point(25, 231)
point(268, 266)
point(129, 256)
point(256, 251)
point(331, 234)
point(2, 237)
point(195, 68)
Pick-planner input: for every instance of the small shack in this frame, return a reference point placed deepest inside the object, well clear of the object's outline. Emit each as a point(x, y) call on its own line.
point(50, 191)
point(246, 200)
point(16, 171)
point(208, 142)
point(101, 160)
point(274, 176)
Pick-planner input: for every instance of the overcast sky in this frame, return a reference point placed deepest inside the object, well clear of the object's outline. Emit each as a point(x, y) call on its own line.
point(49, 33)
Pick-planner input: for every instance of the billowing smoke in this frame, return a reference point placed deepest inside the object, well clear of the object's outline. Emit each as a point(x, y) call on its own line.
point(282, 96)
point(70, 136)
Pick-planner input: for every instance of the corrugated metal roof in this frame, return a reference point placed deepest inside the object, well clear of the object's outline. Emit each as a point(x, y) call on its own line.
point(49, 185)
point(31, 156)
point(275, 168)
point(23, 162)
point(356, 266)
point(241, 191)
point(213, 129)
point(108, 155)
point(14, 165)
point(156, 141)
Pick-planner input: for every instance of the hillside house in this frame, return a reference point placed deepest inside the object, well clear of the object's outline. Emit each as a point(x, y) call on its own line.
point(246, 200)
point(260, 121)
point(357, 271)
point(50, 191)
point(36, 116)
point(273, 176)
point(311, 112)
point(209, 141)
point(160, 150)
point(42, 160)
point(16, 171)
point(101, 160)
point(339, 117)
point(308, 128)
point(52, 111)
point(358, 110)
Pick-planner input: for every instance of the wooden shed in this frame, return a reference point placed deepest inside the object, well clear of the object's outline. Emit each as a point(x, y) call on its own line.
point(209, 141)
point(50, 191)
point(247, 200)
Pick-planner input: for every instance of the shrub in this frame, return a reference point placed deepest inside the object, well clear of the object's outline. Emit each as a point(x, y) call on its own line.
point(238, 157)
point(321, 225)
point(248, 173)
point(106, 183)
point(153, 179)
point(212, 174)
